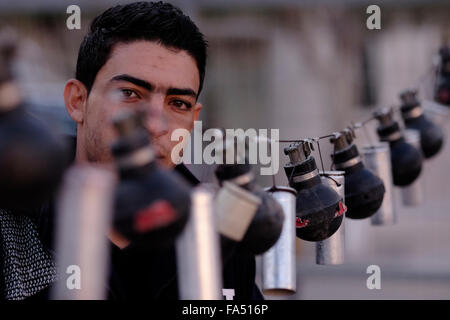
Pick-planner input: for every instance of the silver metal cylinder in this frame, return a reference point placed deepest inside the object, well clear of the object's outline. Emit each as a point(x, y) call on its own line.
point(412, 195)
point(84, 217)
point(436, 112)
point(279, 262)
point(378, 159)
point(235, 208)
point(198, 251)
point(331, 251)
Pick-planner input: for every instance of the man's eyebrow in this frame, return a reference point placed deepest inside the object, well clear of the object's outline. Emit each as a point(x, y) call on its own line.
point(138, 82)
point(146, 85)
point(181, 92)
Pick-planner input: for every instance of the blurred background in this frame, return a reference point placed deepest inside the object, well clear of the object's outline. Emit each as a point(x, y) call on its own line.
point(307, 68)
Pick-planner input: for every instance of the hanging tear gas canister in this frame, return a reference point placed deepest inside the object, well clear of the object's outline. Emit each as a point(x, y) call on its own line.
point(32, 159)
point(235, 208)
point(364, 191)
point(412, 195)
point(406, 160)
point(151, 204)
point(317, 203)
point(267, 222)
point(84, 218)
point(431, 135)
point(332, 250)
point(198, 252)
point(378, 159)
point(442, 91)
point(278, 263)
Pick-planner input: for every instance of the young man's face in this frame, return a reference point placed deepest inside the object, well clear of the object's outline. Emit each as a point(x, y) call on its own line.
point(140, 74)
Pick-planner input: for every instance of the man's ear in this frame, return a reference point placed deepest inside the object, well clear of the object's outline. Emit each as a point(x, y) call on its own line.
point(75, 98)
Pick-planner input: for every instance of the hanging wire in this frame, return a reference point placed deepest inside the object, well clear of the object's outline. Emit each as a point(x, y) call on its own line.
point(327, 136)
point(368, 120)
point(266, 139)
point(290, 141)
point(362, 124)
point(291, 176)
point(320, 155)
point(326, 175)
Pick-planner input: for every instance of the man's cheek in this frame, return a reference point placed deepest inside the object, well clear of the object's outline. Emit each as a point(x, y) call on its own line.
point(168, 147)
point(177, 120)
point(168, 153)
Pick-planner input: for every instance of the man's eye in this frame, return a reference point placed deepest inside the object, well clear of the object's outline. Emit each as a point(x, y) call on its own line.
point(128, 93)
point(182, 105)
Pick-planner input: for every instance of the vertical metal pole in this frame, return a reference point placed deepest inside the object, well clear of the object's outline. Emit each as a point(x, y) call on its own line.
point(331, 251)
point(84, 217)
point(412, 195)
point(198, 251)
point(378, 159)
point(279, 262)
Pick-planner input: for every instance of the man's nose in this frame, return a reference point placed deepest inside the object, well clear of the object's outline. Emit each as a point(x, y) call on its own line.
point(156, 120)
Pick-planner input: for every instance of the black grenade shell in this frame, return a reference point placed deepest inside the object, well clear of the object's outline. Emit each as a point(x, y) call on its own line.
point(443, 91)
point(32, 160)
point(316, 210)
point(266, 226)
point(431, 135)
point(152, 204)
point(364, 191)
point(406, 161)
point(316, 204)
point(442, 94)
point(338, 217)
point(153, 209)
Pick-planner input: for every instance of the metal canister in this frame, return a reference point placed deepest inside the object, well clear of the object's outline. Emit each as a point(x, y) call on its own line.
point(412, 195)
point(84, 217)
point(198, 251)
point(378, 159)
point(438, 113)
point(279, 262)
point(332, 250)
point(235, 208)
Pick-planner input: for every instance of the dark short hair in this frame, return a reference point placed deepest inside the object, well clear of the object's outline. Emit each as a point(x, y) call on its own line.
point(153, 21)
